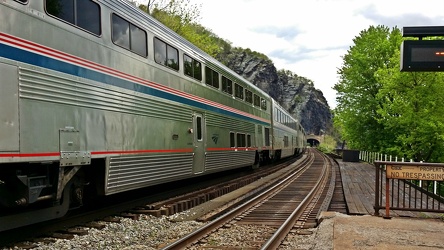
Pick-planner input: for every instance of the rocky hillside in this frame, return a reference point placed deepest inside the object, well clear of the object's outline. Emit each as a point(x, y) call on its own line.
point(295, 93)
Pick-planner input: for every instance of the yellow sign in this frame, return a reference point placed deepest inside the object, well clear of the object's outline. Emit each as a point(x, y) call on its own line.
point(426, 173)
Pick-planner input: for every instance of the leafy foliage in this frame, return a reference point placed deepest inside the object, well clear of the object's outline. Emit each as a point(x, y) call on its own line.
point(328, 145)
point(412, 111)
point(357, 89)
point(182, 17)
point(383, 109)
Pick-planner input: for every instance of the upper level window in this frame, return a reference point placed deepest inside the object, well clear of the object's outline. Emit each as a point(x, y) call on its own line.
point(263, 104)
point(211, 77)
point(82, 13)
point(248, 96)
point(192, 67)
point(129, 36)
point(238, 91)
point(227, 85)
point(256, 100)
point(165, 54)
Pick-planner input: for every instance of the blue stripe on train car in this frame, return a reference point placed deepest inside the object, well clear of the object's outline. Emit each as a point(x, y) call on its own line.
point(28, 57)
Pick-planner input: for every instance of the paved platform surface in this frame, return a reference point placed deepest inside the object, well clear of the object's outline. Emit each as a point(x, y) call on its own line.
point(372, 232)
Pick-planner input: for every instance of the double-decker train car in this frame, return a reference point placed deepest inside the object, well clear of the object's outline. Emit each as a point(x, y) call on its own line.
point(98, 98)
point(288, 134)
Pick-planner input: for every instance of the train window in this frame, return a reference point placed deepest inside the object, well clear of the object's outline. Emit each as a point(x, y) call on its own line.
point(165, 54)
point(192, 67)
point(227, 85)
point(160, 51)
point(22, 1)
point(138, 40)
point(232, 141)
point(249, 141)
point(267, 136)
point(286, 141)
point(199, 128)
point(128, 36)
point(211, 77)
point(256, 100)
point(84, 14)
point(173, 57)
point(238, 91)
point(263, 104)
point(248, 96)
point(120, 35)
point(241, 140)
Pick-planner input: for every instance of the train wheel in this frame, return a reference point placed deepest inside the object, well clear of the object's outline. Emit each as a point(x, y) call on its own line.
point(76, 192)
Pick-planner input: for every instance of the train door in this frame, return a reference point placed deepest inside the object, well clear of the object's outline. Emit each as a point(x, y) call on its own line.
point(199, 143)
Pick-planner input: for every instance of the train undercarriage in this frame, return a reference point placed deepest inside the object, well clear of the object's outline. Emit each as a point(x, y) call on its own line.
point(36, 192)
point(32, 193)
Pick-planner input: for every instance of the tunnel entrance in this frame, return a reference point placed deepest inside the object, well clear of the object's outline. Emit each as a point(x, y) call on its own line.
point(313, 142)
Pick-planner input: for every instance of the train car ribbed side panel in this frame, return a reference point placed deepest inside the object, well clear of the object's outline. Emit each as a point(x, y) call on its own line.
point(75, 91)
point(136, 171)
point(220, 121)
point(287, 152)
point(216, 161)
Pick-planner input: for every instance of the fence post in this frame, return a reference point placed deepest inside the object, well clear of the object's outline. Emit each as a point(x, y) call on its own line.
point(377, 189)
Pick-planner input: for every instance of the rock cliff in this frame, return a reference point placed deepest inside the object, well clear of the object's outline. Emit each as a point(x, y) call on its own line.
point(295, 93)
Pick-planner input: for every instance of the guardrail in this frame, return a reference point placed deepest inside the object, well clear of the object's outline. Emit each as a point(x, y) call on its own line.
point(411, 186)
point(374, 156)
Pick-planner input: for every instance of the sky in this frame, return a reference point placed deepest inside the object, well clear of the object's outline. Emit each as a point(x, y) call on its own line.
point(310, 37)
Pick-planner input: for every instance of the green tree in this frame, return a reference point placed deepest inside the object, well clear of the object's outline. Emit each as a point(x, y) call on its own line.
point(356, 114)
point(187, 12)
point(412, 112)
point(182, 17)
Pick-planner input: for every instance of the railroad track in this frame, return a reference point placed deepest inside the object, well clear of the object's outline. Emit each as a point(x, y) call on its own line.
point(285, 206)
point(304, 221)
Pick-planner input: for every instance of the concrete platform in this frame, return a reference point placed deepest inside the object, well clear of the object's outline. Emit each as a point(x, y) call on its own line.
point(372, 232)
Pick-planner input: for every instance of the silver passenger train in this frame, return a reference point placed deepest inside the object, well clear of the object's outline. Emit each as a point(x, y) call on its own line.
point(97, 98)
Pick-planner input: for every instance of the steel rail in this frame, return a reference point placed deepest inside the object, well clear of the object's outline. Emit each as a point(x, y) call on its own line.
point(218, 222)
point(282, 232)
